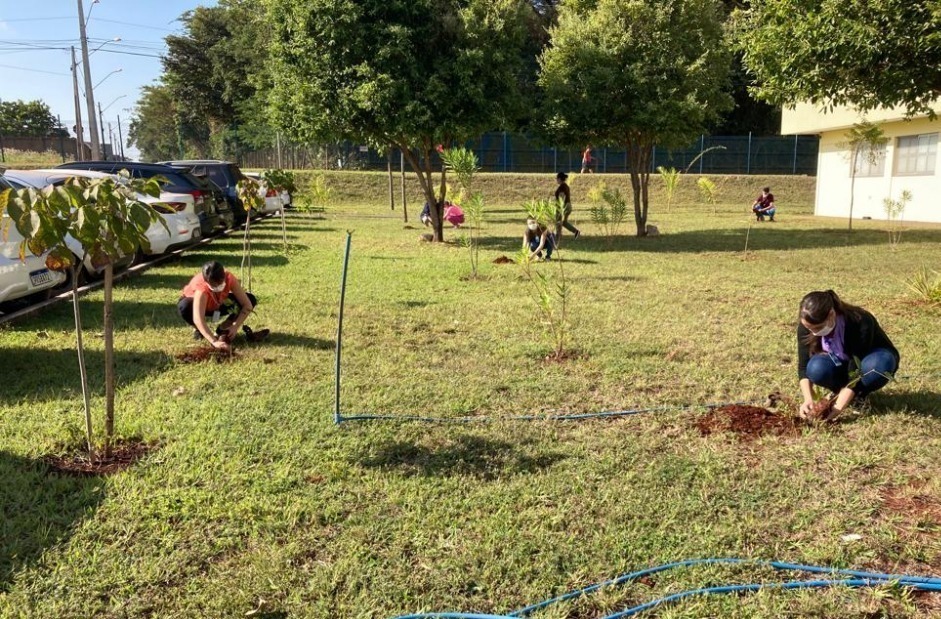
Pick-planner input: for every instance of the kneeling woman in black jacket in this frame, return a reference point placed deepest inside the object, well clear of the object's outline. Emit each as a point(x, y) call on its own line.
point(831, 337)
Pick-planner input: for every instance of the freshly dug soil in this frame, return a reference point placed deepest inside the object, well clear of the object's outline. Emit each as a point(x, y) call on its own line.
point(503, 260)
point(123, 455)
point(207, 353)
point(747, 422)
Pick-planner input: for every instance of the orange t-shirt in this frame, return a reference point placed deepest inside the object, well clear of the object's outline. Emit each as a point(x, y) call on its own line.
point(214, 300)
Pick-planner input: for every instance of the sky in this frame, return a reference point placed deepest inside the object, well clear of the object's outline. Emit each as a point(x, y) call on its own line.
point(119, 69)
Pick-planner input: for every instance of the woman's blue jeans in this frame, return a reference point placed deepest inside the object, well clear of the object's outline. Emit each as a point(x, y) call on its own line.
point(875, 368)
point(549, 246)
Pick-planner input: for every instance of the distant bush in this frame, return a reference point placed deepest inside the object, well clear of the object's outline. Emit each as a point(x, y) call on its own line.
point(13, 157)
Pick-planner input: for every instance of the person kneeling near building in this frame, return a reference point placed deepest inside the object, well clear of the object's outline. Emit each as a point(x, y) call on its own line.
point(764, 205)
point(215, 293)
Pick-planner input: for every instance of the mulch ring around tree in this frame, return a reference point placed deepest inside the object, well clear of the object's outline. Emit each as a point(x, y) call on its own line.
point(748, 422)
point(207, 353)
point(124, 454)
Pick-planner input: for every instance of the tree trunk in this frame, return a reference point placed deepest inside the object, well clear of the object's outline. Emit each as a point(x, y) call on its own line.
point(638, 155)
point(424, 179)
point(109, 357)
point(391, 180)
point(404, 200)
point(83, 372)
point(247, 254)
point(284, 228)
point(853, 186)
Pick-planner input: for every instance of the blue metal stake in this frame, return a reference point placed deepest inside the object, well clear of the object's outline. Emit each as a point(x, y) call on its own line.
point(337, 418)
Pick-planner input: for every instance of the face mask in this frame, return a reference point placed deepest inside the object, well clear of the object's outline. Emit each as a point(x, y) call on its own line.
point(218, 288)
point(533, 227)
point(823, 332)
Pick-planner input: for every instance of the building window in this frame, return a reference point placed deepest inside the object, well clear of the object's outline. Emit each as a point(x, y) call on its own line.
point(871, 161)
point(916, 154)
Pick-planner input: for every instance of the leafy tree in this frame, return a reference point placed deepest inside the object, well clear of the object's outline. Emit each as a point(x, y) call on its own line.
point(865, 141)
point(215, 71)
point(161, 131)
point(637, 73)
point(855, 52)
point(110, 221)
point(28, 119)
point(414, 74)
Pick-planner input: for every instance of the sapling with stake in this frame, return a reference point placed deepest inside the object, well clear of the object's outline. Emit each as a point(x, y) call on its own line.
point(248, 193)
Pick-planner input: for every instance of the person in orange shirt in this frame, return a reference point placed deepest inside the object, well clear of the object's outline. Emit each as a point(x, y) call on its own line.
point(215, 293)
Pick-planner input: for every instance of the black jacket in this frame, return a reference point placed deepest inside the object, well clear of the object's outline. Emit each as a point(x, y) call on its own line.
point(860, 337)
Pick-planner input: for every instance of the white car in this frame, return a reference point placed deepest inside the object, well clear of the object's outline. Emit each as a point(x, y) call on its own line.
point(22, 278)
point(176, 210)
point(274, 202)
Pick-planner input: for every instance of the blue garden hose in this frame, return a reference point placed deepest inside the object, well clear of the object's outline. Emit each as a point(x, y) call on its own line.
point(858, 579)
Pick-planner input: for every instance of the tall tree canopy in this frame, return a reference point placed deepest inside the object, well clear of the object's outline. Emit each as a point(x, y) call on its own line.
point(28, 118)
point(161, 131)
point(635, 73)
point(858, 52)
point(407, 73)
point(215, 71)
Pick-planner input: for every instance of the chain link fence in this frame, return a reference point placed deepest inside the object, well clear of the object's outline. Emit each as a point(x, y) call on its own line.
point(508, 152)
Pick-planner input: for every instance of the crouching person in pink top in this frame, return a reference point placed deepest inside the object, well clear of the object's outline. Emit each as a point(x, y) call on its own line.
point(216, 293)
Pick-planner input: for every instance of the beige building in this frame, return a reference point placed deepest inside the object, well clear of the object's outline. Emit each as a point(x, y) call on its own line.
point(909, 161)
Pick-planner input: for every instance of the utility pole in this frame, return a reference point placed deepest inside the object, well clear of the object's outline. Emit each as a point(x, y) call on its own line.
point(89, 93)
point(121, 138)
point(79, 129)
point(101, 148)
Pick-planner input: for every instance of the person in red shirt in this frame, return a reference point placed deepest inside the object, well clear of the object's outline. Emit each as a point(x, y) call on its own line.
point(764, 205)
point(587, 160)
point(215, 293)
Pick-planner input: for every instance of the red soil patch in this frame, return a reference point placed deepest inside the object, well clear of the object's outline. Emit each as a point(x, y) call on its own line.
point(748, 422)
point(503, 260)
point(123, 455)
point(914, 506)
point(206, 353)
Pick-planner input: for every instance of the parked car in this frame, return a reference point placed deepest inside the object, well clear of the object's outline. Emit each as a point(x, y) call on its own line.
point(22, 279)
point(197, 200)
point(224, 174)
point(274, 201)
point(226, 214)
point(183, 227)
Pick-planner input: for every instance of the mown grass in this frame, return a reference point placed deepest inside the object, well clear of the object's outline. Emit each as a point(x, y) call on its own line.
point(255, 501)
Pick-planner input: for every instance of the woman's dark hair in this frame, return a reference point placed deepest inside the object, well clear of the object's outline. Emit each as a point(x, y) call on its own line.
point(213, 273)
point(766, 189)
point(816, 306)
point(562, 176)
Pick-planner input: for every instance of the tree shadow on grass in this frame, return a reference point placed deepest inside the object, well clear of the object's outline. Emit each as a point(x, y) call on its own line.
point(463, 455)
point(921, 403)
point(42, 373)
point(289, 339)
point(38, 510)
point(732, 240)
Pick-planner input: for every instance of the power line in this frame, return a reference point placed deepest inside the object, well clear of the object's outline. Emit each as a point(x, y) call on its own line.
point(10, 66)
point(126, 23)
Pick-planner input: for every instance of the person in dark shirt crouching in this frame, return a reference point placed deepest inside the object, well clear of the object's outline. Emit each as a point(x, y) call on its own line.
point(840, 347)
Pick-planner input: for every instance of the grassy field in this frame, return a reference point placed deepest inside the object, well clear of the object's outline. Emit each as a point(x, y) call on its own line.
point(255, 504)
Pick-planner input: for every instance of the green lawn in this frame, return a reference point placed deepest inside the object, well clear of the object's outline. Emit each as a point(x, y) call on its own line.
point(255, 501)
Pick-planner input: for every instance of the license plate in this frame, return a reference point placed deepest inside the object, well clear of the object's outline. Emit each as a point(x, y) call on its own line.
point(38, 278)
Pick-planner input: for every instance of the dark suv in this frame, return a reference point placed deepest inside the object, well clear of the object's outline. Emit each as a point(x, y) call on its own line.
point(178, 181)
point(224, 174)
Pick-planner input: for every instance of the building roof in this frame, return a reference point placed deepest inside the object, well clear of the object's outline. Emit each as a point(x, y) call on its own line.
point(811, 119)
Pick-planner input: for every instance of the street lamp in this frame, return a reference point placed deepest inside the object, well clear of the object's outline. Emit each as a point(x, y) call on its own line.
point(101, 118)
point(101, 81)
